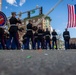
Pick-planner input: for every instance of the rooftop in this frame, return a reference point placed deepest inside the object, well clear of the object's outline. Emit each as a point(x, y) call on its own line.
point(47, 17)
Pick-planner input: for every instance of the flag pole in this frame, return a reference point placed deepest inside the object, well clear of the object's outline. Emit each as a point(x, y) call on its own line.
point(0, 5)
point(49, 11)
point(53, 8)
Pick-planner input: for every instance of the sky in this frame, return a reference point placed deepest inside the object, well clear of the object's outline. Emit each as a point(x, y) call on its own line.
point(59, 15)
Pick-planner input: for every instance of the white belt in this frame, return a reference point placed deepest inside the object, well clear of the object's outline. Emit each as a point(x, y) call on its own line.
point(66, 35)
point(54, 35)
point(13, 24)
point(25, 38)
point(39, 34)
point(36, 36)
point(47, 35)
point(29, 29)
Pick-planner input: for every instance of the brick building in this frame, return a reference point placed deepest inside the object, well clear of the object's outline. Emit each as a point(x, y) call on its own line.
point(73, 43)
point(73, 40)
point(45, 23)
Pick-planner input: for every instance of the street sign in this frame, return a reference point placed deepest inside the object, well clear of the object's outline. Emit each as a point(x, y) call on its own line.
point(2, 18)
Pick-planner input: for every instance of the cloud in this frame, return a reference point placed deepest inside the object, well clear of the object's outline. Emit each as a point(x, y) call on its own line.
point(6, 7)
point(22, 2)
point(12, 2)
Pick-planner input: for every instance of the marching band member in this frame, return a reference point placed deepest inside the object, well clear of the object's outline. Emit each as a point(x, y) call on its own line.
point(29, 34)
point(2, 38)
point(40, 38)
point(66, 36)
point(54, 39)
point(47, 38)
point(14, 30)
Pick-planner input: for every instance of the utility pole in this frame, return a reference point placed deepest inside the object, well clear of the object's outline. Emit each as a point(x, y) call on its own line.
point(0, 5)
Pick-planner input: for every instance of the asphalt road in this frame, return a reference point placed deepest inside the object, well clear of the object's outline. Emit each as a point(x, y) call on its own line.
point(37, 62)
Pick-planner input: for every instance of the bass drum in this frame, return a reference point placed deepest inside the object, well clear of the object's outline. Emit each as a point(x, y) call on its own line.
point(3, 19)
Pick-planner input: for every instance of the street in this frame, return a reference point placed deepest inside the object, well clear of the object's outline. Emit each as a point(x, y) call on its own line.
point(37, 62)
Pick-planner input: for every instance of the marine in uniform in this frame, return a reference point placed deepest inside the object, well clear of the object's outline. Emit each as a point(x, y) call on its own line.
point(54, 39)
point(14, 30)
point(2, 41)
point(47, 38)
point(25, 41)
point(35, 40)
point(66, 36)
point(40, 38)
point(29, 34)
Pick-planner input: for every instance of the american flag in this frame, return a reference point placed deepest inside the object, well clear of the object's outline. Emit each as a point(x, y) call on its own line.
point(71, 16)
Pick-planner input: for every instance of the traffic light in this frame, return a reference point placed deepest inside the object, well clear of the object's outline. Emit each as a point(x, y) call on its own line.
point(28, 14)
point(40, 11)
